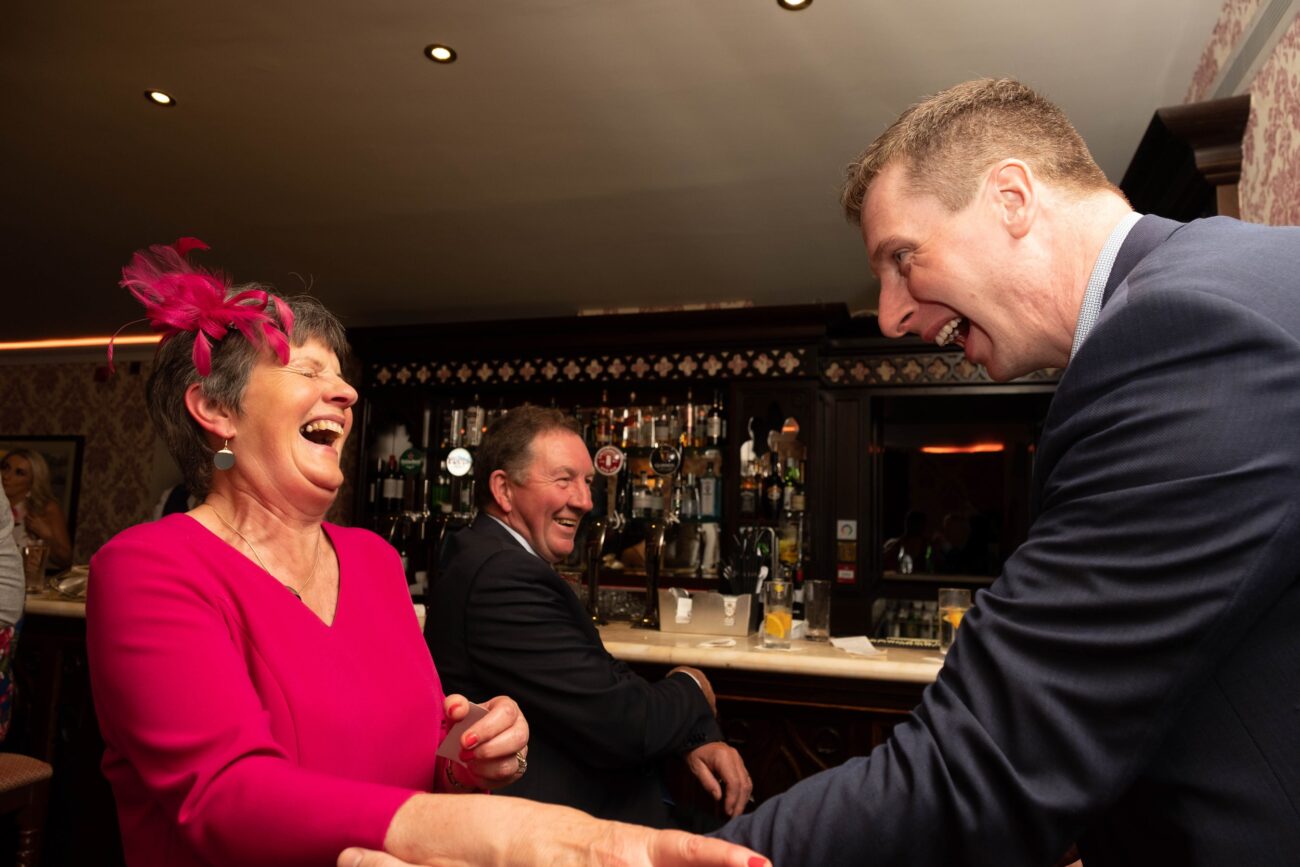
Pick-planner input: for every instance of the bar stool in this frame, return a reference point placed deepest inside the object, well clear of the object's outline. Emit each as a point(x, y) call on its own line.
point(25, 792)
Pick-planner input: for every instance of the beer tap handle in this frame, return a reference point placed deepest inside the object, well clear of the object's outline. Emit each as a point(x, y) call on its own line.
point(654, 544)
point(595, 544)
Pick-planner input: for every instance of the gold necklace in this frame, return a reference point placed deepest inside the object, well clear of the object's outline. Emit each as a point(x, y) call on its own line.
point(315, 560)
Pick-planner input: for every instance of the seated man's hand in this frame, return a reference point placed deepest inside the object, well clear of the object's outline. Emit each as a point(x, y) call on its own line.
point(705, 686)
point(495, 748)
point(717, 762)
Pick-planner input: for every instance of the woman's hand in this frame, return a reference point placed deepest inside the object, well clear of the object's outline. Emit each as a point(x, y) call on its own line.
point(495, 748)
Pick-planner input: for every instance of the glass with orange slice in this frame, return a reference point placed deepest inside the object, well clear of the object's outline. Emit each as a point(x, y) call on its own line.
point(954, 602)
point(778, 616)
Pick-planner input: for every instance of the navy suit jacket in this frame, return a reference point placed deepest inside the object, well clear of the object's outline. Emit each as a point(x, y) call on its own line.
point(501, 622)
point(1132, 679)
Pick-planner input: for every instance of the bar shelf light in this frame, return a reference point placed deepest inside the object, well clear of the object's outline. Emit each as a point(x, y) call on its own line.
point(975, 449)
point(78, 342)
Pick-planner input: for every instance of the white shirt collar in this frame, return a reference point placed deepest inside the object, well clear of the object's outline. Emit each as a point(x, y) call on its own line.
point(1093, 295)
point(513, 532)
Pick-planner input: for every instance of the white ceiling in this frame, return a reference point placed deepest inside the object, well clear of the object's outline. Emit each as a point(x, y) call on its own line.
point(580, 153)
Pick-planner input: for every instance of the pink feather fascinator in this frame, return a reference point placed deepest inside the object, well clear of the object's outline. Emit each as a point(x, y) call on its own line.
point(179, 296)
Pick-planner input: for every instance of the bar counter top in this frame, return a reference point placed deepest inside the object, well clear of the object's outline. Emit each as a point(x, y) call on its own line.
point(905, 665)
point(52, 604)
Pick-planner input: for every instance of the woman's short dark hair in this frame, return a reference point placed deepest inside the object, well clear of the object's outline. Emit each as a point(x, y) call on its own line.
point(507, 445)
point(233, 358)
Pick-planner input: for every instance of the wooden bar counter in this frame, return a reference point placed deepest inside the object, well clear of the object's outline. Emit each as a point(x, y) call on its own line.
point(790, 713)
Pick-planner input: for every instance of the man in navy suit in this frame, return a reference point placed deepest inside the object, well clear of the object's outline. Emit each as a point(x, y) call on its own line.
point(1132, 679)
point(501, 621)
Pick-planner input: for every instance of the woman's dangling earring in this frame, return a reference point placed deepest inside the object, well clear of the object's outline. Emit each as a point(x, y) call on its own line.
point(224, 459)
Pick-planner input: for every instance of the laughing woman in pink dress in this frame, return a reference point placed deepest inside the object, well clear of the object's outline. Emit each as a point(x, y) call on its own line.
point(261, 683)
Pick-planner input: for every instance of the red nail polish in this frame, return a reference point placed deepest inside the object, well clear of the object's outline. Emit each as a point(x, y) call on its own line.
point(757, 862)
point(470, 740)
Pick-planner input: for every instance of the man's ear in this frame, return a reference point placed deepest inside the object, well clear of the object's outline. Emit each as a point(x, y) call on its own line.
point(212, 416)
point(1015, 195)
point(499, 485)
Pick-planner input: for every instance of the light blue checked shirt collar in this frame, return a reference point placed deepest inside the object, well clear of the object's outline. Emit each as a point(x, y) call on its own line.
point(1092, 296)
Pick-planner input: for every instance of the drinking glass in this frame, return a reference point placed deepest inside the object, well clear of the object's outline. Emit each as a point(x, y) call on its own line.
point(34, 554)
point(953, 604)
point(817, 609)
point(778, 615)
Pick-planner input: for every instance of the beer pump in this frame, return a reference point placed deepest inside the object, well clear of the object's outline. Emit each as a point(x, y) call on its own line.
point(595, 544)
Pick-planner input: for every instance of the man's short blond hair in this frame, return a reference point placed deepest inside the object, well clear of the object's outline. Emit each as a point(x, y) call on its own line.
point(948, 140)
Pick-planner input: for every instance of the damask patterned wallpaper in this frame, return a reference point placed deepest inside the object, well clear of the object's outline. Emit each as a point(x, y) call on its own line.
point(66, 399)
point(52, 399)
point(1270, 153)
point(1270, 170)
point(1234, 18)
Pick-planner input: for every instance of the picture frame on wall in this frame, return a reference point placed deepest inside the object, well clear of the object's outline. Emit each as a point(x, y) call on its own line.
point(64, 456)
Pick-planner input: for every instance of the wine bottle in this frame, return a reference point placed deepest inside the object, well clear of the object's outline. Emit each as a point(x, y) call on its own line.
point(714, 422)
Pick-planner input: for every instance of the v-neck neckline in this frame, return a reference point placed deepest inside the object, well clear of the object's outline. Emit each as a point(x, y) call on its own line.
point(257, 567)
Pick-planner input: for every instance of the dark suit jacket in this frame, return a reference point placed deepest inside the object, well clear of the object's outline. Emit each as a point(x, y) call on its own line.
point(502, 622)
point(1132, 680)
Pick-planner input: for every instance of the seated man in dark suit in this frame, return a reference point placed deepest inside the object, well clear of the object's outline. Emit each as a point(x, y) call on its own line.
point(501, 620)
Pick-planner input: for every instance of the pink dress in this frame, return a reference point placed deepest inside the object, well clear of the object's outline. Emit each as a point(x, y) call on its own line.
point(240, 729)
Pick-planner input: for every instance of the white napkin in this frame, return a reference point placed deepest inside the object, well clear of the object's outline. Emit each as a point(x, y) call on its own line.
point(856, 644)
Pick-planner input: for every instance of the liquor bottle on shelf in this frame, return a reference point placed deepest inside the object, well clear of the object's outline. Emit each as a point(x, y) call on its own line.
point(645, 432)
point(631, 423)
point(662, 424)
point(641, 496)
point(656, 498)
point(455, 426)
point(686, 497)
point(604, 422)
point(475, 423)
point(675, 425)
point(688, 417)
point(749, 491)
point(773, 488)
point(440, 496)
point(493, 414)
point(463, 491)
point(676, 502)
point(799, 500)
point(710, 495)
point(392, 487)
point(715, 423)
point(793, 486)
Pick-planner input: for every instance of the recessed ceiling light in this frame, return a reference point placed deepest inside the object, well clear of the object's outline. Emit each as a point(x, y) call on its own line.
point(439, 53)
point(157, 97)
point(794, 5)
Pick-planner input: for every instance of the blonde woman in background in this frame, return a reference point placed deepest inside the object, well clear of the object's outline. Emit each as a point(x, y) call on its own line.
point(36, 512)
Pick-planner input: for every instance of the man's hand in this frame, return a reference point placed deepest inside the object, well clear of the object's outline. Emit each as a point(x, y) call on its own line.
point(513, 832)
point(716, 762)
point(705, 686)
